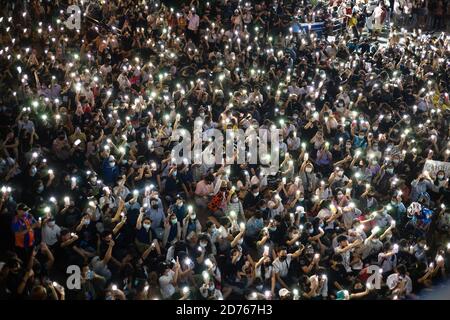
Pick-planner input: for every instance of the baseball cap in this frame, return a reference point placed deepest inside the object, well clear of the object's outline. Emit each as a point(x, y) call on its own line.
point(283, 292)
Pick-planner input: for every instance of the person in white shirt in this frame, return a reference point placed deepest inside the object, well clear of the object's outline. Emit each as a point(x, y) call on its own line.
point(344, 249)
point(50, 232)
point(400, 283)
point(193, 24)
point(168, 280)
point(281, 267)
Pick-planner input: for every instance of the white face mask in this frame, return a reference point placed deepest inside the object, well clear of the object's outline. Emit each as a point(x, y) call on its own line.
point(146, 226)
point(255, 194)
point(308, 170)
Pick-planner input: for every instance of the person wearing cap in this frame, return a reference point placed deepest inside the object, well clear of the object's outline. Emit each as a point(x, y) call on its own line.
point(23, 226)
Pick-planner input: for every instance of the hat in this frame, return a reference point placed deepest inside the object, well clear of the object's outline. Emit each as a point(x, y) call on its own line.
point(283, 292)
point(300, 209)
point(23, 207)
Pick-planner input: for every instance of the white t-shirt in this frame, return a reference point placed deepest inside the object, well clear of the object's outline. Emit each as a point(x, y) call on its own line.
point(165, 283)
point(393, 280)
point(50, 234)
point(282, 267)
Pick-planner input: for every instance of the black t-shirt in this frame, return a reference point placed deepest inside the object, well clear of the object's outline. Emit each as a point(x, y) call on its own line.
point(336, 275)
point(250, 200)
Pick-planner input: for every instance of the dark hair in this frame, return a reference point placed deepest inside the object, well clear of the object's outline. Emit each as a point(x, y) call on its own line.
point(341, 238)
point(401, 269)
point(337, 258)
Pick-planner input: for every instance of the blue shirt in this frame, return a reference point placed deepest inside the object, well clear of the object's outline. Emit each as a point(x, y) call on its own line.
point(110, 174)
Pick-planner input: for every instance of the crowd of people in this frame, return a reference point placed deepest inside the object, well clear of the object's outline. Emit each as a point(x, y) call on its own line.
point(89, 187)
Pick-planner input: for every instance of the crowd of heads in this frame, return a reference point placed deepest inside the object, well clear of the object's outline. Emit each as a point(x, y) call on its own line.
point(93, 205)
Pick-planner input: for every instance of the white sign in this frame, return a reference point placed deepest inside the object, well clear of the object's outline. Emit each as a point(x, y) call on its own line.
point(433, 167)
point(74, 20)
point(74, 280)
point(374, 280)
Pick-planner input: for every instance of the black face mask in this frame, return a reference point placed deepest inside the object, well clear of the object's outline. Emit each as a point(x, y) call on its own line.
point(282, 258)
point(155, 206)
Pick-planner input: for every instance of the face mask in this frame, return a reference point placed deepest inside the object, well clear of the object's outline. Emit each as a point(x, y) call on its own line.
point(33, 171)
point(51, 224)
point(361, 136)
point(310, 231)
point(90, 275)
point(375, 128)
point(203, 244)
point(112, 163)
point(240, 241)
point(390, 171)
point(193, 216)
point(146, 226)
point(174, 173)
point(282, 258)
point(440, 177)
point(87, 222)
point(94, 180)
point(308, 170)
point(260, 287)
point(396, 161)
point(40, 188)
point(272, 228)
point(301, 199)
point(174, 221)
point(235, 200)
point(202, 114)
point(179, 205)
point(255, 194)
